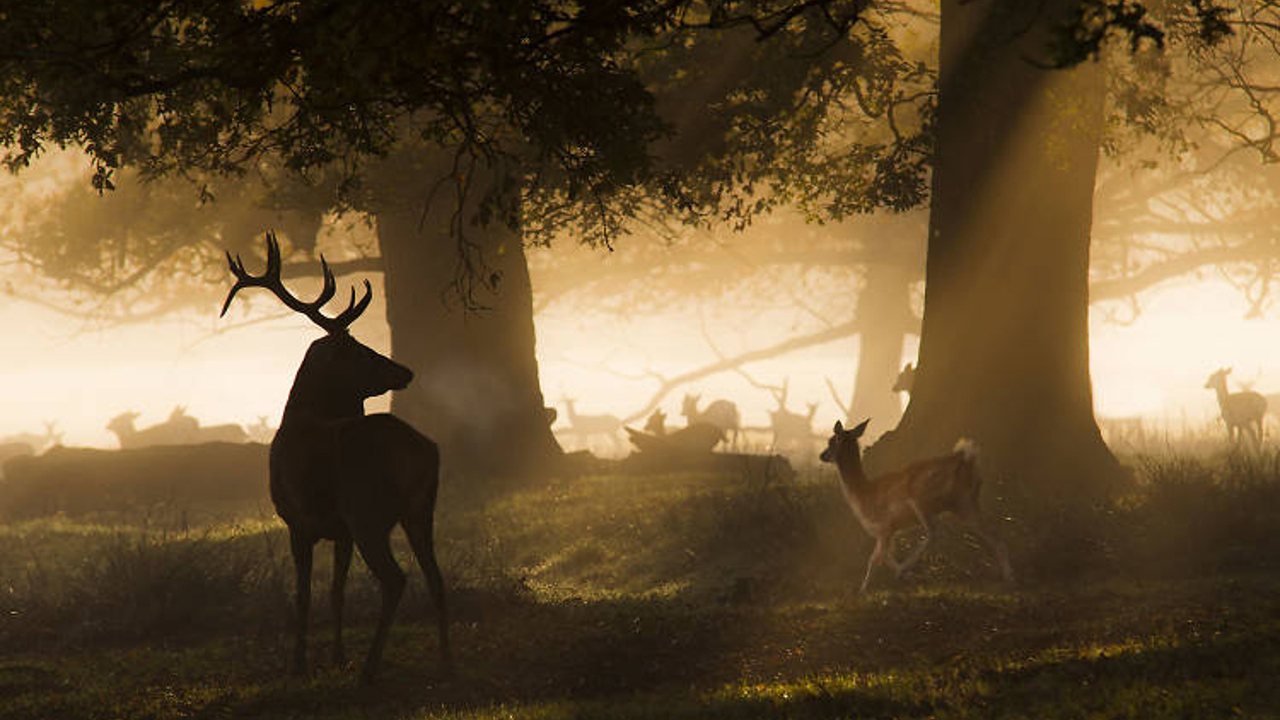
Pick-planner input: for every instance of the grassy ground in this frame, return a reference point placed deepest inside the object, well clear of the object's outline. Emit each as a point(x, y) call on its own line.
point(674, 596)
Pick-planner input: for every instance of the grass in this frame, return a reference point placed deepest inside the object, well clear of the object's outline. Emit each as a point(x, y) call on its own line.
point(681, 596)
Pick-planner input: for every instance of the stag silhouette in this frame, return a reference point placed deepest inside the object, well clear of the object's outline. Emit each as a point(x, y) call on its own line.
point(338, 474)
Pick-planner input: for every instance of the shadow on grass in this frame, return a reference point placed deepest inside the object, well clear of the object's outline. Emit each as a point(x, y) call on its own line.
point(957, 652)
point(602, 675)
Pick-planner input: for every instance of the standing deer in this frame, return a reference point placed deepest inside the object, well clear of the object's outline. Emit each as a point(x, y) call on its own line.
point(338, 474)
point(720, 413)
point(585, 427)
point(913, 495)
point(1242, 412)
point(906, 379)
point(791, 430)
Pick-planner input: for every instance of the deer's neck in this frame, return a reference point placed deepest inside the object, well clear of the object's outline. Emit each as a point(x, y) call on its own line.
point(319, 408)
point(852, 476)
point(1221, 391)
point(309, 401)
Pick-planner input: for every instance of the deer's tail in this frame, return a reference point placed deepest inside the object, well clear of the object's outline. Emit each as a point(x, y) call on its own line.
point(966, 448)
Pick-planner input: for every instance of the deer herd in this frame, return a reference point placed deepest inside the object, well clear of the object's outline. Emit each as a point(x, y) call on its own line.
point(339, 475)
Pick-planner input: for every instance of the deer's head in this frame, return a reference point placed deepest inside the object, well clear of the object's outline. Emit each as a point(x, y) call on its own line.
point(339, 364)
point(338, 369)
point(843, 444)
point(1218, 379)
point(122, 422)
point(906, 379)
point(689, 406)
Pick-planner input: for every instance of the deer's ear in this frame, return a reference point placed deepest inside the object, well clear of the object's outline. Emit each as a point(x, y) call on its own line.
point(862, 427)
point(839, 428)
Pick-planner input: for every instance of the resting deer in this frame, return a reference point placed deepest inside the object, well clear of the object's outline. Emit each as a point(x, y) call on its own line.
point(179, 429)
point(36, 443)
point(585, 427)
point(656, 424)
point(720, 413)
point(1242, 412)
point(913, 495)
point(338, 474)
point(229, 432)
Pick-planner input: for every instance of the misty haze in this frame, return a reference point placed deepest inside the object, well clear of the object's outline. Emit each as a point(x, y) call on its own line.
point(731, 358)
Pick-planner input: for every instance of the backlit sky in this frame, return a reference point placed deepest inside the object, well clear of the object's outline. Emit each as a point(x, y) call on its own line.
point(53, 370)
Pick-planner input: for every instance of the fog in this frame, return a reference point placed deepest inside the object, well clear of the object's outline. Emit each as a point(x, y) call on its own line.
point(80, 375)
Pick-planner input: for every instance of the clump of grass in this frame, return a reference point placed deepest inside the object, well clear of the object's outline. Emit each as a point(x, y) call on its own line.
point(1195, 515)
point(134, 585)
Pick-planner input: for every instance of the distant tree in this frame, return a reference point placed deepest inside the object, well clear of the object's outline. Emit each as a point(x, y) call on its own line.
point(463, 130)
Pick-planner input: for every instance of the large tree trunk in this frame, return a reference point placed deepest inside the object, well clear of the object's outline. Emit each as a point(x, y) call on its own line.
point(1004, 351)
point(884, 320)
point(476, 391)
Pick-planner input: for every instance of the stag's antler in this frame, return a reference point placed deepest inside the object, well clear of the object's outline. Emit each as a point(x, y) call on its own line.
point(270, 279)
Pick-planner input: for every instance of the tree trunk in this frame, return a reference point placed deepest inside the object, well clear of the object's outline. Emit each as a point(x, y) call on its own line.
point(884, 320)
point(476, 391)
point(1004, 347)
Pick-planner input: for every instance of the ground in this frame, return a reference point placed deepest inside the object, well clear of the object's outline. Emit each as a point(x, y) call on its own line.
point(673, 596)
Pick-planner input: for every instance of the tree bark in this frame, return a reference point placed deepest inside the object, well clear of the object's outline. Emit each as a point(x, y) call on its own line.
point(1004, 351)
point(476, 391)
point(884, 320)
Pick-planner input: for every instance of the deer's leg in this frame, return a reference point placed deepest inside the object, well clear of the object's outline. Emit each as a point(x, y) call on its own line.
point(301, 547)
point(341, 564)
point(928, 535)
point(375, 548)
point(978, 524)
point(877, 557)
point(423, 544)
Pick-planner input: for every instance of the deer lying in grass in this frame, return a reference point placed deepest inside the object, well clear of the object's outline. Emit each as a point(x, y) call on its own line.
point(1242, 412)
point(338, 474)
point(697, 439)
point(227, 432)
point(656, 424)
point(720, 413)
point(913, 495)
point(179, 429)
point(37, 443)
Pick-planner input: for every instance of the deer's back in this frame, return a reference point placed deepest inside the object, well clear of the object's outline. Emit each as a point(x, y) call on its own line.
point(1244, 407)
point(721, 413)
point(375, 466)
point(937, 485)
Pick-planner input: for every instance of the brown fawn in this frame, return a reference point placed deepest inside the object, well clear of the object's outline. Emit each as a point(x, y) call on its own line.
point(1242, 411)
point(338, 474)
point(913, 495)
